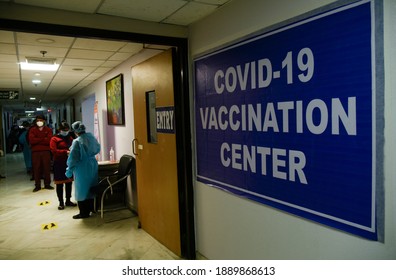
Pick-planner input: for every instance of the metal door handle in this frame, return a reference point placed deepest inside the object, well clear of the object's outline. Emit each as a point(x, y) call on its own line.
point(133, 146)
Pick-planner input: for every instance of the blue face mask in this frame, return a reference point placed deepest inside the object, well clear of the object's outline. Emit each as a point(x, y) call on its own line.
point(64, 133)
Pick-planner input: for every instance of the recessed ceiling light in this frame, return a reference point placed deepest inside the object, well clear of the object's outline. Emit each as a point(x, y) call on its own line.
point(36, 82)
point(39, 66)
point(32, 98)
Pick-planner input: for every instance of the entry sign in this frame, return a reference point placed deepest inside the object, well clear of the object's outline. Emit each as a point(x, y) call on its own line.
point(287, 119)
point(165, 119)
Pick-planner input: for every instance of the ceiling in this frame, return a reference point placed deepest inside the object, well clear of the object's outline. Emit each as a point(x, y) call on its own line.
point(81, 60)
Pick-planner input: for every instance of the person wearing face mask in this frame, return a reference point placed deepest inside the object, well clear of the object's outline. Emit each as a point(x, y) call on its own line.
point(60, 144)
point(82, 164)
point(39, 139)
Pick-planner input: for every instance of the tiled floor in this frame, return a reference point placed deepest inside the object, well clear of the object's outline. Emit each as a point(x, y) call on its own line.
point(32, 227)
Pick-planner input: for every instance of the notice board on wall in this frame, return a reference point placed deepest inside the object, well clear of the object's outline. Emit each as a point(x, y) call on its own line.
point(288, 118)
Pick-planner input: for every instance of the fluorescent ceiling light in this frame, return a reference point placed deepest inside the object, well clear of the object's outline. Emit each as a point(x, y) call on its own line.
point(36, 82)
point(39, 66)
point(29, 112)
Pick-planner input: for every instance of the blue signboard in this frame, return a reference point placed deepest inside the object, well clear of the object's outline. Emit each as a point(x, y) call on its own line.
point(287, 118)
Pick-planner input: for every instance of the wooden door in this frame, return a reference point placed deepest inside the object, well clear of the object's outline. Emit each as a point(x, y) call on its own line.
point(156, 166)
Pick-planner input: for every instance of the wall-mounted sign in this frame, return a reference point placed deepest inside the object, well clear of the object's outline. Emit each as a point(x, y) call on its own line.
point(287, 118)
point(9, 94)
point(165, 119)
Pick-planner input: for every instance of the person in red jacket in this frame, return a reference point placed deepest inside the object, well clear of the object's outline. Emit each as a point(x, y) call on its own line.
point(60, 144)
point(39, 140)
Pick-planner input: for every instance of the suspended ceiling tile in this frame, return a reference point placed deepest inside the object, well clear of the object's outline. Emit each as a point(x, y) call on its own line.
point(32, 89)
point(64, 84)
point(74, 90)
point(7, 48)
point(7, 75)
point(82, 62)
point(85, 6)
point(93, 76)
point(29, 80)
point(191, 12)
point(60, 87)
point(102, 45)
point(35, 51)
point(132, 48)
point(71, 70)
point(6, 37)
point(84, 83)
point(7, 58)
point(103, 69)
point(68, 79)
point(37, 74)
point(9, 83)
point(154, 10)
point(120, 57)
point(110, 64)
point(44, 40)
point(89, 54)
point(11, 66)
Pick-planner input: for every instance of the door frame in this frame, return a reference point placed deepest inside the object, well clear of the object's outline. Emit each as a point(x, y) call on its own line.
point(182, 107)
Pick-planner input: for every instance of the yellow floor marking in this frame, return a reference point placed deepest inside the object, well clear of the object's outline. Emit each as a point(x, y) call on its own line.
point(43, 203)
point(49, 226)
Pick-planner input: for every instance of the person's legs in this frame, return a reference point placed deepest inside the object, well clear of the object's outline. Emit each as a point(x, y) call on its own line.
point(68, 194)
point(90, 205)
point(85, 209)
point(59, 193)
point(36, 170)
point(46, 168)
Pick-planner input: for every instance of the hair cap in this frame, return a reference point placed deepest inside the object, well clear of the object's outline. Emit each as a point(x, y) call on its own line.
point(78, 127)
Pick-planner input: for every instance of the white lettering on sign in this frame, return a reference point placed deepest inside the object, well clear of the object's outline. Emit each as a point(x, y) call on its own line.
point(259, 74)
point(275, 117)
point(316, 116)
point(165, 120)
point(286, 164)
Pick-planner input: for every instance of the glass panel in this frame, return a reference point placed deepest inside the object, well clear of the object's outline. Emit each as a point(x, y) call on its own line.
point(151, 117)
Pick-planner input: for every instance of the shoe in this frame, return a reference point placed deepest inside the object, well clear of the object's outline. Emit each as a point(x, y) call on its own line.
point(48, 187)
point(69, 203)
point(61, 207)
point(79, 216)
point(36, 189)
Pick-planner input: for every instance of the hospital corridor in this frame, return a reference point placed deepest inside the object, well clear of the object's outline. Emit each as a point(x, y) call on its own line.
point(32, 227)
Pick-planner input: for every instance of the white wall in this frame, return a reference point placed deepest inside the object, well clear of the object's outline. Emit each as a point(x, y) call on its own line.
point(230, 227)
